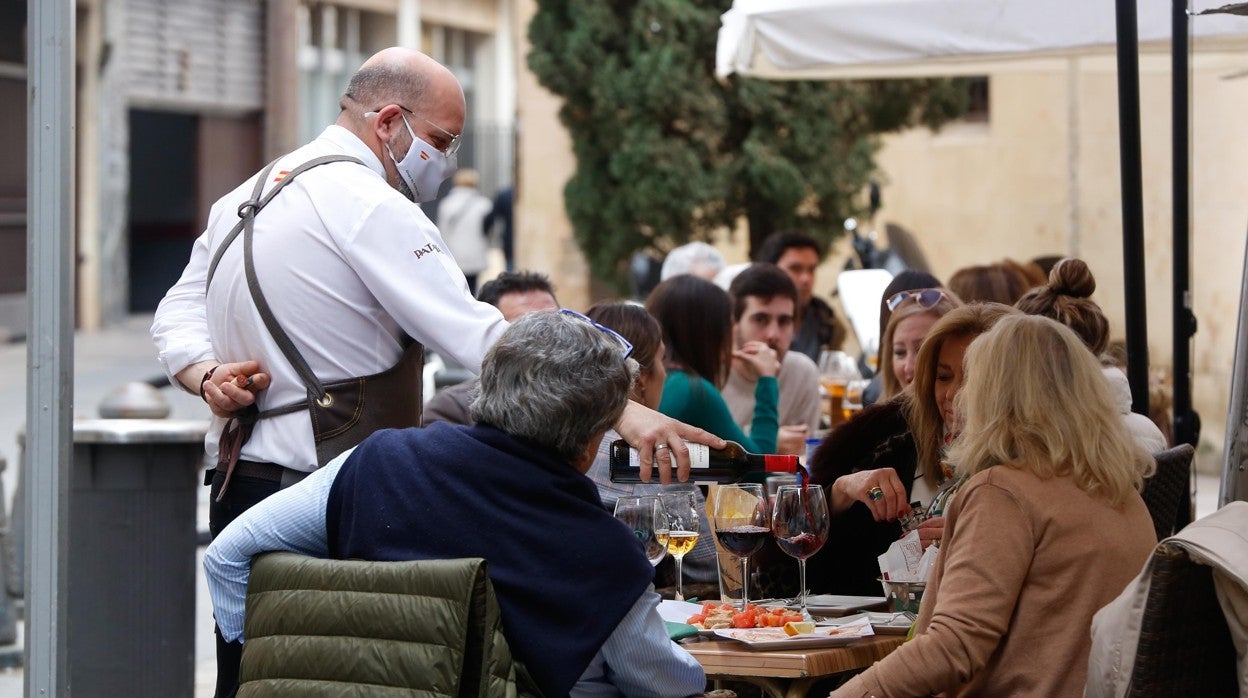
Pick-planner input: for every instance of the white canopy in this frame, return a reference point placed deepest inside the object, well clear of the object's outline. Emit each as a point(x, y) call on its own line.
point(846, 39)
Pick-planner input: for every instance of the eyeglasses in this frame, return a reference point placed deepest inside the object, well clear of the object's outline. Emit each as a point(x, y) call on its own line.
point(626, 347)
point(926, 298)
point(449, 150)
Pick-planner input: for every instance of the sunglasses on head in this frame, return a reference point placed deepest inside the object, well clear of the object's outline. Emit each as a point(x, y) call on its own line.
point(925, 297)
point(626, 347)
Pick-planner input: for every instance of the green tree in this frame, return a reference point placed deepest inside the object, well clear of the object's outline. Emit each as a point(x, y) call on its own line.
point(667, 153)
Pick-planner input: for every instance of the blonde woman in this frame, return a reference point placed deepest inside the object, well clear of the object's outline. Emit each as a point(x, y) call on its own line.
point(913, 314)
point(896, 449)
point(1049, 528)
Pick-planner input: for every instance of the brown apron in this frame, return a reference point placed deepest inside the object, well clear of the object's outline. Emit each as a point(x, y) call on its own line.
point(343, 412)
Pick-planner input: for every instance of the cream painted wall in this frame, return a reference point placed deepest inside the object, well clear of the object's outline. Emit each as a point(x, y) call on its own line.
point(978, 193)
point(1041, 178)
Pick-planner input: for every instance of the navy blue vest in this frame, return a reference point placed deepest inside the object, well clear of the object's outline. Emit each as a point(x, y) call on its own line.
point(564, 569)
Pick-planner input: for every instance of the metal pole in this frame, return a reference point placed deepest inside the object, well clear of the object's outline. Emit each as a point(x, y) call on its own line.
point(1186, 421)
point(1132, 203)
point(50, 339)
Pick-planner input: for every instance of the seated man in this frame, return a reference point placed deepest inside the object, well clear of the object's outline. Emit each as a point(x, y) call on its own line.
point(573, 584)
point(764, 306)
point(514, 293)
point(799, 255)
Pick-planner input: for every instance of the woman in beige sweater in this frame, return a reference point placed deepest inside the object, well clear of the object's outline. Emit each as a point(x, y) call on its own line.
point(1049, 528)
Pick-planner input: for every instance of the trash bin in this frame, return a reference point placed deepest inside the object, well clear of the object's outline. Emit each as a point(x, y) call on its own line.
point(131, 565)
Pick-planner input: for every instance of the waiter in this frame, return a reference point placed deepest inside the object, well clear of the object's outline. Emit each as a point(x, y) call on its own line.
point(301, 315)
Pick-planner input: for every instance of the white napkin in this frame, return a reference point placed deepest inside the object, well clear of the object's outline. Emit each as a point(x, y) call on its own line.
point(901, 561)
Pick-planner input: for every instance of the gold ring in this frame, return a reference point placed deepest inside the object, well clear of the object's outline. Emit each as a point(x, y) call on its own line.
point(875, 493)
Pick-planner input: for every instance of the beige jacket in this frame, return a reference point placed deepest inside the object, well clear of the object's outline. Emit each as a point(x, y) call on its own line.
point(1219, 540)
point(1024, 565)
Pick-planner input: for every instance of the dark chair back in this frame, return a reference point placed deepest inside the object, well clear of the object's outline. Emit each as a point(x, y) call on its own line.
point(1185, 647)
point(1168, 493)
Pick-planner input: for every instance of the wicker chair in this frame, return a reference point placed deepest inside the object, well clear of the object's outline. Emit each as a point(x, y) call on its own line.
point(1168, 493)
point(1185, 647)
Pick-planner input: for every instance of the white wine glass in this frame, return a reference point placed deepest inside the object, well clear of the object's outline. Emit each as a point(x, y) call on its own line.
point(741, 525)
point(683, 524)
point(799, 522)
point(647, 519)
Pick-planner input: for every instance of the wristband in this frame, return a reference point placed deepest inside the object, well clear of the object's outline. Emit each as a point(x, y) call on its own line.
point(207, 377)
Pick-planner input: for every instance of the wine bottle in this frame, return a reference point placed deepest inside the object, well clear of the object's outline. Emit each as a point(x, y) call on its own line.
point(721, 465)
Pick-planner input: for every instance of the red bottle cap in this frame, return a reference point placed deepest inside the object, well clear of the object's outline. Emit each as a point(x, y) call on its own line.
point(780, 464)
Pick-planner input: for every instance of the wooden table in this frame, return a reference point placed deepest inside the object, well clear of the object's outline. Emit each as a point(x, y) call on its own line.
point(787, 673)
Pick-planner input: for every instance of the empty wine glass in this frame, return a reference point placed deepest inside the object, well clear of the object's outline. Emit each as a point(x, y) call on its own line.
point(740, 515)
point(799, 521)
point(683, 526)
point(647, 519)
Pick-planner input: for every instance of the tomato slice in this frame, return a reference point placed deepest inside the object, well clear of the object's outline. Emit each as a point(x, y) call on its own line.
point(743, 619)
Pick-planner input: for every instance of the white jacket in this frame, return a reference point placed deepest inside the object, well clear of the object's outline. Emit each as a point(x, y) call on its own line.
point(1143, 431)
point(1219, 540)
point(461, 218)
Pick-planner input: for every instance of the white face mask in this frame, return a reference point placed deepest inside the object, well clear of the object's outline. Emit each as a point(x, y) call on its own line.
point(422, 170)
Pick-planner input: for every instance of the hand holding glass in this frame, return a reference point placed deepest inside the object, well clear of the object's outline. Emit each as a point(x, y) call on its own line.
point(647, 519)
point(683, 524)
point(741, 525)
point(799, 522)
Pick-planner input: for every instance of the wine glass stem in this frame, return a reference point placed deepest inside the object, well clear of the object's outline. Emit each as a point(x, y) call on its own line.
point(745, 581)
point(801, 590)
point(680, 589)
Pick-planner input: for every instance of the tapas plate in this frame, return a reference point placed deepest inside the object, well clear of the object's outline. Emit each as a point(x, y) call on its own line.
point(777, 639)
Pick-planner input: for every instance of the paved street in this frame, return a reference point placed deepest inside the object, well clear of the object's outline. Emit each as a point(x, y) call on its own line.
point(107, 359)
point(102, 362)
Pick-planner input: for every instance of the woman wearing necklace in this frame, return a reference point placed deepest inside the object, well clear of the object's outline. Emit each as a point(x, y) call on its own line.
point(892, 454)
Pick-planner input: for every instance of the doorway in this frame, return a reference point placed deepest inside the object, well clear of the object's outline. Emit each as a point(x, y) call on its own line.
point(163, 202)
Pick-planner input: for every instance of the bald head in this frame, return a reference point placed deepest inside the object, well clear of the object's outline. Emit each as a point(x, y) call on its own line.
point(408, 78)
point(406, 95)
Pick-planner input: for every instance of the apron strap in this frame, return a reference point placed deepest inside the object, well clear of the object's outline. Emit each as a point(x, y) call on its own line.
point(247, 213)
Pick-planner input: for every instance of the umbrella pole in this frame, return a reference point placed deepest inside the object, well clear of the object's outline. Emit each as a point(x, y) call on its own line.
point(1132, 203)
point(1186, 421)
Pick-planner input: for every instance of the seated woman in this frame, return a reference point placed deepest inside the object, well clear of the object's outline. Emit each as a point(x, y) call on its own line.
point(696, 317)
point(908, 280)
point(897, 448)
point(1067, 298)
point(913, 314)
point(1049, 528)
point(639, 327)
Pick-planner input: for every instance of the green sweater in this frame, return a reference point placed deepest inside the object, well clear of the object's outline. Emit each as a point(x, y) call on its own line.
point(695, 401)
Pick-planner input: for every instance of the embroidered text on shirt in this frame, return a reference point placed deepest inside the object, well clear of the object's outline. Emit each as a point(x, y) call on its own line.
point(422, 251)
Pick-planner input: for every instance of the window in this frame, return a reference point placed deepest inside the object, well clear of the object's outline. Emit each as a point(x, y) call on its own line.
point(977, 100)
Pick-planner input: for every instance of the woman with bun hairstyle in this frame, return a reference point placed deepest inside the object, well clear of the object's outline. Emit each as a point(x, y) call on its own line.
point(1067, 298)
point(1048, 528)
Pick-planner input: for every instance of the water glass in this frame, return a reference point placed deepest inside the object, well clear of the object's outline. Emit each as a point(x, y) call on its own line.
point(647, 519)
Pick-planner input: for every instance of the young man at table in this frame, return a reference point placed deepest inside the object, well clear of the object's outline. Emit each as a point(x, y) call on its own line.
point(764, 309)
point(799, 255)
point(574, 587)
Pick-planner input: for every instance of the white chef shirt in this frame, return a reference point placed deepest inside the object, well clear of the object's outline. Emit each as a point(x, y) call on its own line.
point(347, 264)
